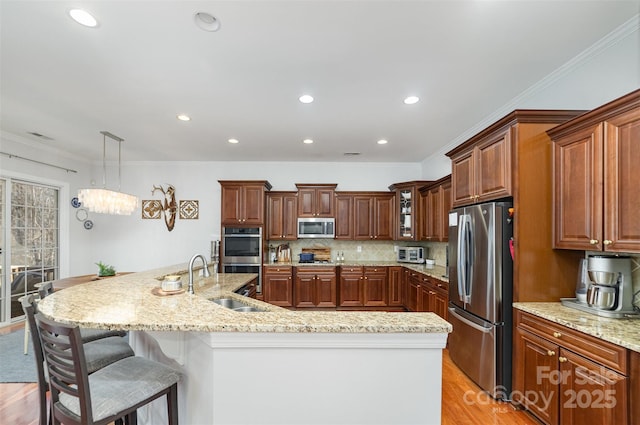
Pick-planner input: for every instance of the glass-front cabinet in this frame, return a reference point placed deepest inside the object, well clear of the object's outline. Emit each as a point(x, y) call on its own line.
point(408, 208)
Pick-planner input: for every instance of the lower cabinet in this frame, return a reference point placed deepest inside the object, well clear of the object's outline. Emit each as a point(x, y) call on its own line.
point(363, 286)
point(315, 287)
point(277, 282)
point(563, 376)
point(426, 293)
point(395, 277)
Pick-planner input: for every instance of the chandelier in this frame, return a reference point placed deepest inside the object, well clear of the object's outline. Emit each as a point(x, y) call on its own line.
point(105, 201)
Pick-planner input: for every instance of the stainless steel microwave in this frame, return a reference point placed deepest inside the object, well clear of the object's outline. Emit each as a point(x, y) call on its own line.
point(411, 254)
point(317, 227)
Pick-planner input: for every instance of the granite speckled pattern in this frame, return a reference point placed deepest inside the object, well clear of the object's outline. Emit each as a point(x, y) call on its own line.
point(623, 332)
point(126, 303)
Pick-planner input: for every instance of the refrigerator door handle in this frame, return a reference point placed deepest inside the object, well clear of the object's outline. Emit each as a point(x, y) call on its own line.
point(468, 322)
point(464, 258)
point(461, 258)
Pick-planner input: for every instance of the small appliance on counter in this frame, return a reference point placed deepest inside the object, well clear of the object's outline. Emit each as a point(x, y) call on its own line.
point(609, 288)
point(411, 254)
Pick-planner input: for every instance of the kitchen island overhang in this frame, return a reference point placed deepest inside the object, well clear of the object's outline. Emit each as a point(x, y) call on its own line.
point(280, 366)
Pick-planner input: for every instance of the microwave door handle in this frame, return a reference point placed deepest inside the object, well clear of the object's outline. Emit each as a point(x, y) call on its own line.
point(461, 258)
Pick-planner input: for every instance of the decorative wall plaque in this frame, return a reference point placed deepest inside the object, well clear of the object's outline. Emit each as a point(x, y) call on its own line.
point(189, 210)
point(151, 209)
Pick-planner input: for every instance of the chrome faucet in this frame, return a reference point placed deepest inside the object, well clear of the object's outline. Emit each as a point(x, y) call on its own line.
point(205, 270)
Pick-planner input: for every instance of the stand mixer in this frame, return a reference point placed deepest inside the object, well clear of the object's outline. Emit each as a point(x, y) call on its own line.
point(610, 288)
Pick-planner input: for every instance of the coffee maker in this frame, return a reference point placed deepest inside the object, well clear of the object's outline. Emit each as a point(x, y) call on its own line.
point(609, 287)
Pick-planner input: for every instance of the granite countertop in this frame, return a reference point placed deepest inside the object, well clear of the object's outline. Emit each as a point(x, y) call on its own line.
point(436, 271)
point(126, 302)
point(623, 332)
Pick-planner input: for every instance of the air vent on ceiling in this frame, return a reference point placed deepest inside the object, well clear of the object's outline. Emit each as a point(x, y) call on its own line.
point(39, 136)
point(351, 153)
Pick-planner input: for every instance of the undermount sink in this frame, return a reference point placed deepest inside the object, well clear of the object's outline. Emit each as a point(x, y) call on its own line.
point(236, 305)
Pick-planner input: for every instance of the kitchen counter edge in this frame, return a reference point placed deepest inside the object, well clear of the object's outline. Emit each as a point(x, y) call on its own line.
point(623, 332)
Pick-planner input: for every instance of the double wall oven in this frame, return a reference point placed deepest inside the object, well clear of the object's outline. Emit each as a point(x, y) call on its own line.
point(242, 251)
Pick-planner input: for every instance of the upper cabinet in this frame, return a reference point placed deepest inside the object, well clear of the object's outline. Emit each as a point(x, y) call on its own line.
point(407, 209)
point(243, 201)
point(344, 216)
point(481, 170)
point(373, 214)
point(316, 200)
point(435, 201)
point(282, 213)
point(595, 178)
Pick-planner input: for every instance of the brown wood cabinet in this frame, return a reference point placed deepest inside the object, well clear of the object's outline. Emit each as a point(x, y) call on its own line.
point(315, 287)
point(344, 216)
point(277, 283)
point(540, 273)
point(243, 201)
point(316, 200)
point(566, 377)
point(595, 179)
point(396, 277)
point(408, 209)
point(373, 216)
point(481, 171)
point(282, 214)
point(351, 290)
point(363, 286)
point(428, 294)
point(436, 204)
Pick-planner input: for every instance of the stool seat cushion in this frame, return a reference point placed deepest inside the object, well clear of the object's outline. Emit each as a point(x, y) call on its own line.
point(121, 385)
point(105, 351)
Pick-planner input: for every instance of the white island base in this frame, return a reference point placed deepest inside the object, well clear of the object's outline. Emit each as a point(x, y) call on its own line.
point(299, 378)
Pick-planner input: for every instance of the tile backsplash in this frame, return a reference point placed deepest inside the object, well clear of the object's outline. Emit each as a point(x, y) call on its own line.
point(368, 250)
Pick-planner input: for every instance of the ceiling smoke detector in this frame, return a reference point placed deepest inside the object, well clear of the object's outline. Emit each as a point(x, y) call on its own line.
point(206, 22)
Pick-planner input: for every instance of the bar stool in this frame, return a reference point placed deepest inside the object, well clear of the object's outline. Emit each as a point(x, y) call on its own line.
point(113, 392)
point(98, 353)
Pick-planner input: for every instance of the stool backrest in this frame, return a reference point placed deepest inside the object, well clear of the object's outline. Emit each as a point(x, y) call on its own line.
point(65, 360)
point(29, 307)
point(45, 289)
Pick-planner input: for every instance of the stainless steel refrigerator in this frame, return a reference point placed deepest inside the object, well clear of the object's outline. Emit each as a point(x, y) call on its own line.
point(480, 294)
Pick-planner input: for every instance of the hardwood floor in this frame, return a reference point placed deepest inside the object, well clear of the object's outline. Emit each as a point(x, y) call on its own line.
point(462, 401)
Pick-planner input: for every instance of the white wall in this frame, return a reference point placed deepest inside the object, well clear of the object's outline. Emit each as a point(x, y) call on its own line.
point(605, 71)
point(132, 244)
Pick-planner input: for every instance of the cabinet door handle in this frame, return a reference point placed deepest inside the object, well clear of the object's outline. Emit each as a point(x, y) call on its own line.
point(551, 353)
point(557, 334)
point(562, 359)
point(607, 242)
point(593, 241)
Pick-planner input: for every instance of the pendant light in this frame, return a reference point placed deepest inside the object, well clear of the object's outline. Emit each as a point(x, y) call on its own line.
point(105, 201)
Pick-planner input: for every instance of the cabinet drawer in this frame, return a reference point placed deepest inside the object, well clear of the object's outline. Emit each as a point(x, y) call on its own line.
point(278, 269)
point(440, 284)
point(603, 352)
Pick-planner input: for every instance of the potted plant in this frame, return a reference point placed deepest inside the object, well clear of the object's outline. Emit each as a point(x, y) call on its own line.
point(105, 269)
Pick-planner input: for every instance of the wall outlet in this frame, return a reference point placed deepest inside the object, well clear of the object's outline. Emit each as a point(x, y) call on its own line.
point(359, 248)
point(395, 248)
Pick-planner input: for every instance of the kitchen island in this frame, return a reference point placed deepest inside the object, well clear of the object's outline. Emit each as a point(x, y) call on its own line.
point(271, 367)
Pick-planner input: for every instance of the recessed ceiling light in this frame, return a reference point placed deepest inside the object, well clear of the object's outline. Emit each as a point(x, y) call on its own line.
point(207, 22)
point(233, 141)
point(307, 141)
point(183, 117)
point(382, 142)
point(410, 100)
point(305, 98)
point(83, 18)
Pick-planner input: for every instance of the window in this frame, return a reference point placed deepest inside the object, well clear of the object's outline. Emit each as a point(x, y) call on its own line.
point(29, 244)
